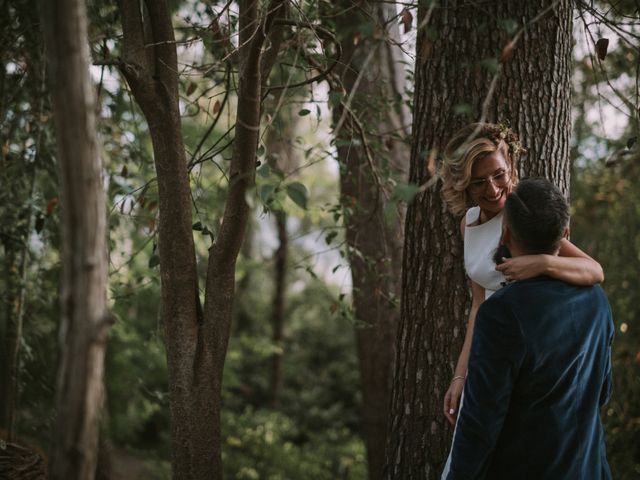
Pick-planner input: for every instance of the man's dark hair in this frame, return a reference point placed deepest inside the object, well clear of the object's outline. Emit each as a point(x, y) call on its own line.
point(537, 214)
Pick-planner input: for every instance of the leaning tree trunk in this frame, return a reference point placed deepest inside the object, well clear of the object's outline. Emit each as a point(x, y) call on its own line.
point(196, 338)
point(85, 319)
point(371, 126)
point(532, 93)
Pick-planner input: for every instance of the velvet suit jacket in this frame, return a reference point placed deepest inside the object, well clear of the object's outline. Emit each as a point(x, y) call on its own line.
point(539, 371)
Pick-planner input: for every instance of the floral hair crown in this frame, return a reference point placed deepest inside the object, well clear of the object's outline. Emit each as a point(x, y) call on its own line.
point(502, 132)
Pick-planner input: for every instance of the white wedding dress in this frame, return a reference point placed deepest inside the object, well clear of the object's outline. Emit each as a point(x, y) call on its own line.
point(480, 242)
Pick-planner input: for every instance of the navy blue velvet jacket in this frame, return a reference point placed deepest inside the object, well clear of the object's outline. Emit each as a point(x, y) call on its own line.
point(539, 371)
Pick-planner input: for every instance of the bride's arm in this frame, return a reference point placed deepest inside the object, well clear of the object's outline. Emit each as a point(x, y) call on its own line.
point(452, 397)
point(571, 265)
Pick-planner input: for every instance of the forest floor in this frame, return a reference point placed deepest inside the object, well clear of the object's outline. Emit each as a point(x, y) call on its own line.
point(126, 465)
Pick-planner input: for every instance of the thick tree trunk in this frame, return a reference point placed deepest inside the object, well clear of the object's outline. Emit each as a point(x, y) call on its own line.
point(85, 319)
point(533, 94)
point(370, 77)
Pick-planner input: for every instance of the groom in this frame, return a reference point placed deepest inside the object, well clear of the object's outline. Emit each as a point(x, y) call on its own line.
point(540, 365)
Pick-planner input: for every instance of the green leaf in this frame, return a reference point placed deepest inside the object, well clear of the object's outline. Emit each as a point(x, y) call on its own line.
point(330, 236)
point(432, 33)
point(509, 25)
point(405, 191)
point(304, 112)
point(462, 109)
point(367, 29)
point(154, 260)
point(490, 64)
point(266, 192)
point(390, 210)
point(264, 170)
point(260, 151)
point(335, 97)
point(298, 193)
point(631, 142)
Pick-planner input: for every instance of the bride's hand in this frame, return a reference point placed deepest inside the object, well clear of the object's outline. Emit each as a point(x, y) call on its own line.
point(452, 399)
point(522, 267)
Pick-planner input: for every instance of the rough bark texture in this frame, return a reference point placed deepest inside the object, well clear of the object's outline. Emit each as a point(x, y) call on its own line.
point(533, 94)
point(370, 77)
point(152, 76)
point(196, 341)
point(85, 319)
point(20, 462)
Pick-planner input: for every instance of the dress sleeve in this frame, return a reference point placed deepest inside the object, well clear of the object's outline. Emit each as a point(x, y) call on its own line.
point(497, 353)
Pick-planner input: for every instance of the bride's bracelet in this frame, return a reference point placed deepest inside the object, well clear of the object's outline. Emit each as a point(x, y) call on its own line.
point(457, 377)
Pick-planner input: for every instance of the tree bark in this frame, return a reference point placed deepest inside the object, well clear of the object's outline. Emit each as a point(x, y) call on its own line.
point(532, 92)
point(196, 340)
point(277, 307)
point(151, 72)
point(370, 77)
point(85, 318)
point(280, 157)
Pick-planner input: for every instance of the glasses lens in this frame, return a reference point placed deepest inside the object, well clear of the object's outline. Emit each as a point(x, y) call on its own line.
point(499, 180)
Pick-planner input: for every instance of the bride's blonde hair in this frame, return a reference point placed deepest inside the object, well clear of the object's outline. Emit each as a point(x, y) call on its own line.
point(469, 144)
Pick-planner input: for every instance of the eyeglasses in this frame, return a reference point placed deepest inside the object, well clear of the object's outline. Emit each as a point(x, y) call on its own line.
point(500, 179)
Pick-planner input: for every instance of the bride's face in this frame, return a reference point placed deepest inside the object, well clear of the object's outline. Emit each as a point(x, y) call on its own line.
point(490, 183)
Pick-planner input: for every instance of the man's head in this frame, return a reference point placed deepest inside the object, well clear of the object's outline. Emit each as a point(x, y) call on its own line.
point(536, 217)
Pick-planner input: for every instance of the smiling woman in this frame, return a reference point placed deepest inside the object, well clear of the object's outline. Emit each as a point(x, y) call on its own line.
point(490, 184)
point(475, 153)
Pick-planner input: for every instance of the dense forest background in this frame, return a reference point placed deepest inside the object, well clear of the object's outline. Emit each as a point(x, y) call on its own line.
point(310, 198)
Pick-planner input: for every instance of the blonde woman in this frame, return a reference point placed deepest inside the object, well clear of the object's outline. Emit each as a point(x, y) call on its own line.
point(479, 171)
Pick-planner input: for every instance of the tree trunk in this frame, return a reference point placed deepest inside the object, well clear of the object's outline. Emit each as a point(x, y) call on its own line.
point(85, 318)
point(196, 340)
point(532, 92)
point(277, 307)
point(370, 78)
point(281, 157)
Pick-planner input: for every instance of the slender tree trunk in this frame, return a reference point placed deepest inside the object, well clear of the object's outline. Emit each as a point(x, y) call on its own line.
point(196, 340)
point(281, 157)
point(277, 307)
point(85, 319)
point(375, 117)
point(532, 92)
point(151, 71)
